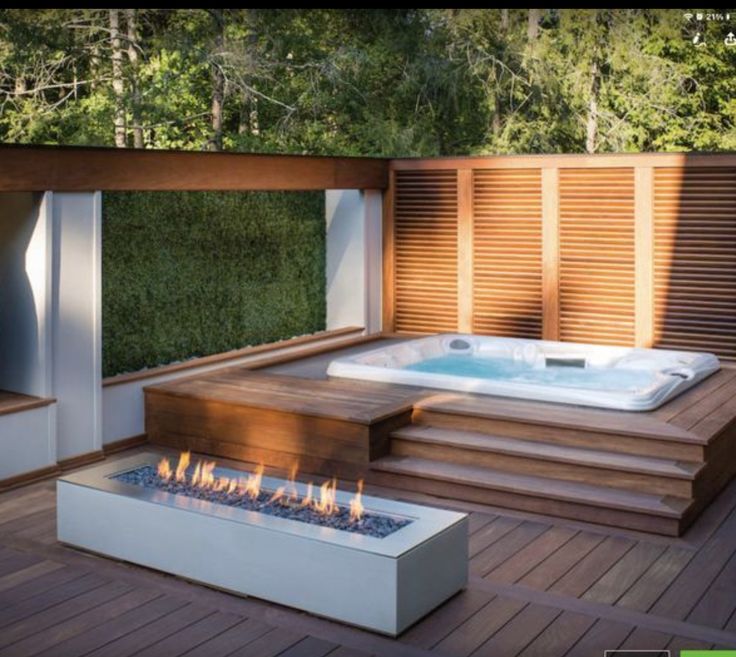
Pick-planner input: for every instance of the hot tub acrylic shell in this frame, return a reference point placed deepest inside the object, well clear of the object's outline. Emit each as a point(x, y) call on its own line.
point(673, 372)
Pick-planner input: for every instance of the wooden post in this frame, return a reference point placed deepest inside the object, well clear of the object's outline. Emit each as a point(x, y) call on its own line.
point(465, 250)
point(551, 254)
point(644, 245)
point(388, 301)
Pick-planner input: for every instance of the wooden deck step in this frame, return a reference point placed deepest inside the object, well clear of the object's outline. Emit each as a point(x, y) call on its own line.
point(643, 425)
point(596, 466)
point(610, 431)
point(600, 504)
point(549, 452)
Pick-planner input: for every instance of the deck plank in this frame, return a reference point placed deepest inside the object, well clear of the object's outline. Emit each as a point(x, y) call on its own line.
point(504, 548)
point(52, 637)
point(624, 573)
point(586, 572)
point(560, 562)
point(114, 628)
point(49, 615)
point(603, 635)
point(560, 636)
point(650, 586)
point(718, 603)
point(519, 632)
point(435, 627)
point(232, 639)
point(695, 579)
point(466, 638)
point(153, 633)
point(523, 561)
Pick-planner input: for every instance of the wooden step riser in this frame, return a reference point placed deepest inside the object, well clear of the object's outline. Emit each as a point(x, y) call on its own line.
point(531, 504)
point(644, 483)
point(623, 444)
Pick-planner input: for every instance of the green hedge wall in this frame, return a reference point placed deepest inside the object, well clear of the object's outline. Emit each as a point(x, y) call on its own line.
point(188, 274)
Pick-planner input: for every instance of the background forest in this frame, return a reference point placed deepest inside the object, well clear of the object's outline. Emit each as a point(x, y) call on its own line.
point(373, 82)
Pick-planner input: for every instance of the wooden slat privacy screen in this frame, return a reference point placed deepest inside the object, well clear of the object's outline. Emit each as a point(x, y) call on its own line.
point(626, 250)
point(426, 251)
point(695, 259)
point(596, 256)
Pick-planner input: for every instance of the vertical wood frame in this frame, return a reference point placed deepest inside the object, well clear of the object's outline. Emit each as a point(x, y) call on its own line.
point(465, 250)
point(388, 301)
point(551, 254)
point(644, 245)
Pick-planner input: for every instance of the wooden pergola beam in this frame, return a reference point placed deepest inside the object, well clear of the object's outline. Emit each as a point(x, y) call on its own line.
point(83, 169)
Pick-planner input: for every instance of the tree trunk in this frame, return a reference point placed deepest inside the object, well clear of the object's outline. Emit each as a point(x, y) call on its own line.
point(591, 124)
point(532, 27)
point(130, 16)
point(504, 19)
point(118, 86)
point(218, 82)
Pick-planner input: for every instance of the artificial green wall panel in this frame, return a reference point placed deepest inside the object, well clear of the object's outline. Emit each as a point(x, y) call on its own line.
point(187, 274)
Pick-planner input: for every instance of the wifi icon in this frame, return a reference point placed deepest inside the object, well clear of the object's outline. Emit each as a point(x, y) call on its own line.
point(688, 17)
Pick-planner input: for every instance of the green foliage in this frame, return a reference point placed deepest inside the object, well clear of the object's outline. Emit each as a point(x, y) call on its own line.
point(399, 82)
point(188, 274)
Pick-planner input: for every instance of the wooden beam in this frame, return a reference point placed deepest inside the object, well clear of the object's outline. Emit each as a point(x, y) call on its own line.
point(644, 248)
point(465, 250)
point(388, 300)
point(571, 160)
point(550, 254)
point(76, 169)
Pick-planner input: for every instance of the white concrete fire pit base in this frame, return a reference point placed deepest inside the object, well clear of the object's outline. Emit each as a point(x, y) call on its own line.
point(383, 584)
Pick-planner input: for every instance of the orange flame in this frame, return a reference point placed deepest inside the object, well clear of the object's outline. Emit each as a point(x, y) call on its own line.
point(164, 469)
point(252, 485)
point(356, 504)
point(326, 504)
point(278, 495)
point(204, 477)
point(308, 499)
point(181, 468)
point(293, 494)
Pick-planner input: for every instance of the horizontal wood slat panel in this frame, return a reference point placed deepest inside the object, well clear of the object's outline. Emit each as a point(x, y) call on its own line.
point(695, 259)
point(507, 252)
point(426, 251)
point(597, 277)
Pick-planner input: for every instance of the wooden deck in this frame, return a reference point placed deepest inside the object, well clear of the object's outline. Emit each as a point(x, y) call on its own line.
point(538, 587)
point(653, 471)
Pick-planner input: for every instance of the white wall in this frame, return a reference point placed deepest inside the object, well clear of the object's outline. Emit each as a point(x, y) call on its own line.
point(27, 441)
point(354, 259)
point(77, 333)
point(25, 293)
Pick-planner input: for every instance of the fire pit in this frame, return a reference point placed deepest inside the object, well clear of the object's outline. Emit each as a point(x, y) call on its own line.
point(304, 545)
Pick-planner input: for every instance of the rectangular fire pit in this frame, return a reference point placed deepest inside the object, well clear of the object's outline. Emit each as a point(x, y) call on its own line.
point(380, 583)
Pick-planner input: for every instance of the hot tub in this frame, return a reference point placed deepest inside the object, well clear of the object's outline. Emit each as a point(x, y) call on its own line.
point(564, 372)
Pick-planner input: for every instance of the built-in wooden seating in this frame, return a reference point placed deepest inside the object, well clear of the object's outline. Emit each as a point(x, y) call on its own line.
point(651, 471)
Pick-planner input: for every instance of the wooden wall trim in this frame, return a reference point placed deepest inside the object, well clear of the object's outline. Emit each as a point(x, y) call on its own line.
point(125, 443)
point(77, 169)
point(388, 283)
point(571, 160)
point(644, 245)
point(465, 250)
point(228, 356)
point(29, 477)
point(550, 254)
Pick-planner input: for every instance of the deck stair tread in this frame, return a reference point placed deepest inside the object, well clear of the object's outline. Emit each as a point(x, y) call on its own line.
point(644, 425)
point(593, 458)
point(535, 486)
point(355, 401)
